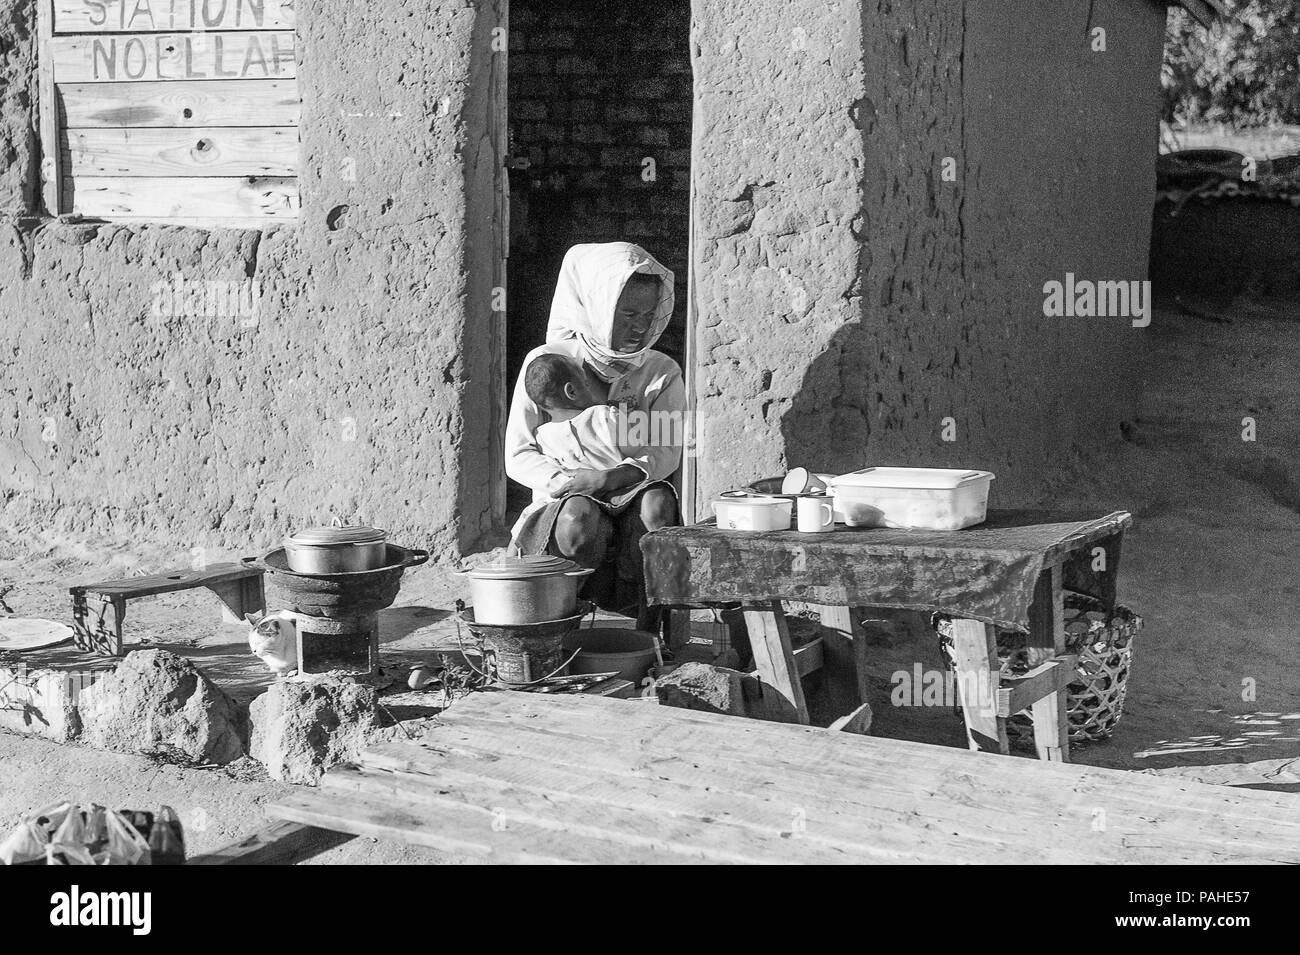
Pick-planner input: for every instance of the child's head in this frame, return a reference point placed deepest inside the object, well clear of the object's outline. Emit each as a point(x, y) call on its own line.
point(556, 383)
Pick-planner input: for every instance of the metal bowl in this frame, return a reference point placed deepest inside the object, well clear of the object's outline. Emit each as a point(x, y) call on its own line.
point(770, 487)
point(339, 595)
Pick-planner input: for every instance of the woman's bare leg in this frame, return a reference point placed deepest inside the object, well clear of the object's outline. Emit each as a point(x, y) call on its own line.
point(582, 532)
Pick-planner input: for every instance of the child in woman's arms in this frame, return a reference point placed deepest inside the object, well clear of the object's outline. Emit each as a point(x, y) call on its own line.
point(583, 432)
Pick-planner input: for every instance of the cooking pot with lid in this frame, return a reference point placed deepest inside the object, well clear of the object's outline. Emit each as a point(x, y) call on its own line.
point(522, 590)
point(336, 550)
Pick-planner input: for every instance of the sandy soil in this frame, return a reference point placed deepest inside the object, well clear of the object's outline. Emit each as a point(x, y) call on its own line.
point(1209, 564)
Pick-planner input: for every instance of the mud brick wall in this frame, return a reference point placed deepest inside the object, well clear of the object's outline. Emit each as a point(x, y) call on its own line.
point(850, 300)
point(353, 393)
point(595, 89)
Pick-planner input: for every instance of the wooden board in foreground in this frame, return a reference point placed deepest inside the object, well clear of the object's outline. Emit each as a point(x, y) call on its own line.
point(516, 777)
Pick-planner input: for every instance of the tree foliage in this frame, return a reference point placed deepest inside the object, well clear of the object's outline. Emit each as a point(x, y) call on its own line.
point(1245, 71)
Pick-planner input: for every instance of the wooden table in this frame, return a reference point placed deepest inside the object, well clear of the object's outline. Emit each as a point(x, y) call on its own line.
point(1010, 572)
point(516, 777)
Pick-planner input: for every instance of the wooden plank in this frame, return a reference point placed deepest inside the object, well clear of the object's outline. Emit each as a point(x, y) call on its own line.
point(270, 197)
point(51, 174)
point(229, 151)
point(773, 657)
point(168, 583)
point(280, 843)
point(582, 804)
point(148, 16)
point(1047, 631)
point(1045, 809)
point(180, 103)
point(947, 812)
point(858, 721)
point(135, 58)
point(975, 659)
point(258, 223)
point(462, 830)
point(757, 758)
point(844, 651)
point(689, 491)
point(938, 808)
point(1018, 693)
point(809, 658)
point(500, 137)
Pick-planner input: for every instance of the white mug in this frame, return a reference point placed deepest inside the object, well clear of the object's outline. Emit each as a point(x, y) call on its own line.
point(816, 514)
point(803, 481)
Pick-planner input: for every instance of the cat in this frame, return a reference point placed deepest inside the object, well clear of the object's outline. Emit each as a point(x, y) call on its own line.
point(273, 638)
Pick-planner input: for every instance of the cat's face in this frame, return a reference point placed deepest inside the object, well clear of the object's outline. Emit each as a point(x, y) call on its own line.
point(269, 631)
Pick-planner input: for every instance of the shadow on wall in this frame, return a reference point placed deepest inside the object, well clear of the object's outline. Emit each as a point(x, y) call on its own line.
point(827, 426)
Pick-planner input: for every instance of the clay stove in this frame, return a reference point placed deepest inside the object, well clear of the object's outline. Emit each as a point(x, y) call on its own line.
point(336, 616)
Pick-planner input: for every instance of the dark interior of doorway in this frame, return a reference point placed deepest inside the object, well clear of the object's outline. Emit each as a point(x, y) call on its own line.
point(600, 135)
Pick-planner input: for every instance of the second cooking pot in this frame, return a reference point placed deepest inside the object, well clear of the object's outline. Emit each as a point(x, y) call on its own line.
point(531, 589)
point(336, 550)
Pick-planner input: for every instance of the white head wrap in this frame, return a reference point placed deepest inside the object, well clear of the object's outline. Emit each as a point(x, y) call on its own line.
point(591, 280)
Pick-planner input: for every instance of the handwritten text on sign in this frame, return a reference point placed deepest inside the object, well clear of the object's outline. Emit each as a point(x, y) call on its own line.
point(145, 16)
point(173, 56)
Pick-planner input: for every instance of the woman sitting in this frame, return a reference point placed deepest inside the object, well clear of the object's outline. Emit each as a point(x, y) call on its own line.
point(612, 304)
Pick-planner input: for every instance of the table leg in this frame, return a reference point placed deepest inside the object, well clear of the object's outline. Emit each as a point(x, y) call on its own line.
point(844, 648)
point(773, 655)
point(678, 620)
point(975, 659)
point(1047, 632)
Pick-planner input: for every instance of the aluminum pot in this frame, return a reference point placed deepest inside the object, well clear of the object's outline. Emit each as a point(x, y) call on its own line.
point(523, 590)
point(336, 550)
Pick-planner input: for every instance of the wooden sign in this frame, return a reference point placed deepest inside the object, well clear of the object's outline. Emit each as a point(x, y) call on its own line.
point(147, 16)
point(170, 110)
point(134, 58)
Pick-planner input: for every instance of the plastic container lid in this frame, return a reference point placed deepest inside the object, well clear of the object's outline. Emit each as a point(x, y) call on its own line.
point(920, 478)
point(515, 568)
point(357, 534)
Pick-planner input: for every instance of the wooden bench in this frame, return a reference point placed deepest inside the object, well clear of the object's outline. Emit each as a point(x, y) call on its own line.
point(514, 777)
point(99, 609)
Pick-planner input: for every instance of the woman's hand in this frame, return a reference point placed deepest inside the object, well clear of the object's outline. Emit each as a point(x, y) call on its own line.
point(596, 483)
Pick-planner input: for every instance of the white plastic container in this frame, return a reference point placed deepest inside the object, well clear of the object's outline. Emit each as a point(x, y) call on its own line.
point(940, 499)
point(753, 513)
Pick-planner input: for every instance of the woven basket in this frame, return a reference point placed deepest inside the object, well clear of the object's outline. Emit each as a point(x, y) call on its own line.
point(1095, 699)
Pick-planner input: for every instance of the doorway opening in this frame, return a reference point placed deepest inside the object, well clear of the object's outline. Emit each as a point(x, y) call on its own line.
point(600, 100)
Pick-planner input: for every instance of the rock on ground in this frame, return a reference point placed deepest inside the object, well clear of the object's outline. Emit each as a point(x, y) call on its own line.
point(302, 729)
point(159, 704)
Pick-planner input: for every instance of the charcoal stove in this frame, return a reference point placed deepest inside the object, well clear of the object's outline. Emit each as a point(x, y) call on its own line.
point(336, 616)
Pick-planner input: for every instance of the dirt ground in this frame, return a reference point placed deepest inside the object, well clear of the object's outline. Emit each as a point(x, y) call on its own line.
point(1209, 564)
